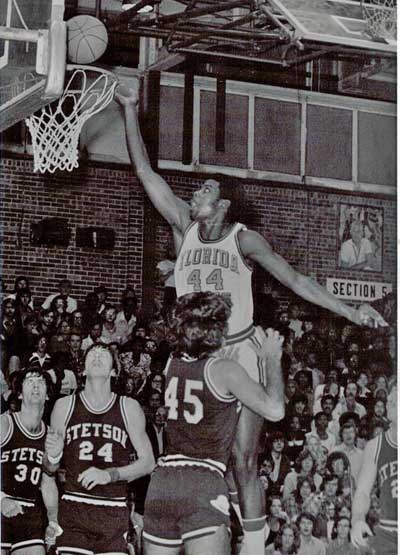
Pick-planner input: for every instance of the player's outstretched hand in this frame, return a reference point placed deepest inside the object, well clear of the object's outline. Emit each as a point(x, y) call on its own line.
point(54, 443)
point(10, 507)
point(93, 476)
point(359, 534)
point(365, 315)
point(127, 96)
point(271, 346)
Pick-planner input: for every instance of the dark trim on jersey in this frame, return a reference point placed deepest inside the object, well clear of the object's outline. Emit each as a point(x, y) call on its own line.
point(122, 401)
point(243, 258)
point(70, 410)
point(378, 448)
point(189, 227)
point(211, 386)
point(213, 241)
point(240, 336)
point(26, 432)
point(183, 460)
point(261, 370)
point(390, 441)
point(10, 430)
point(103, 410)
point(27, 543)
point(94, 499)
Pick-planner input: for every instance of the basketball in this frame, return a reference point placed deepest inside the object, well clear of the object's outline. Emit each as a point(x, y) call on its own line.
point(87, 39)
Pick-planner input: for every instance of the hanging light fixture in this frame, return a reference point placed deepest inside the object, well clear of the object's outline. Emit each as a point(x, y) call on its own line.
point(138, 6)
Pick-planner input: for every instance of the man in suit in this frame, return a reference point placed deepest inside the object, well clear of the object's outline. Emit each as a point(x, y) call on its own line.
point(156, 431)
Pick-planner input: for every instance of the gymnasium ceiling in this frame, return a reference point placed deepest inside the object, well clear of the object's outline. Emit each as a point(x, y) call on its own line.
point(237, 39)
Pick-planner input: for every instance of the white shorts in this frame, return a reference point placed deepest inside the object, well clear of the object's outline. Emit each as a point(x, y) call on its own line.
point(243, 352)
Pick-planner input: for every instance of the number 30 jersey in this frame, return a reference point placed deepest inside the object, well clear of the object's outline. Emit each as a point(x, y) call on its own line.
point(217, 266)
point(96, 438)
point(21, 461)
point(201, 421)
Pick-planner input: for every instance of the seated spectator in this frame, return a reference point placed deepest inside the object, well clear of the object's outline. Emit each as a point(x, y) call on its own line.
point(276, 517)
point(298, 406)
point(327, 439)
point(26, 339)
point(113, 331)
point(47, 320)
point(21, 282)
point(23, 300)
point(321, 458)
point(40, 356)
point(152, 403)
point(304, 489)
point(330, 387)
point(63, 378)
point(126, 318)
point(60, 341)
point(309, 544)
point(349, 403)
point(64, 292)
point(364, 393)
point(134, 359)
point(295, 323)
point(339, 465)
point(265, 468)
point(318, 377)
point(276, 448)
point(102, 293)
point(377, 426)
point(330, 493)
point(156, 431)
point(295, 437)
point(291, 508)
point(328, 403)
point(348, 446)
point(287, 541)
point(94, 335)
point(76, 321)
point(305, 465)
point(76, 356)
point(351, 369)
point(59, 307)
point(10, 330)
point(340, 544)
point(290, 389)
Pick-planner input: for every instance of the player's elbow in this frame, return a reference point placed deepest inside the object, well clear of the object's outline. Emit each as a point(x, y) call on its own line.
point(150, 463)
point(275, 412)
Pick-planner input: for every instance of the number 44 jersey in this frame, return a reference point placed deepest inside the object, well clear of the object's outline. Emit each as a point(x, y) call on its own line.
point(201, 421)
point(96, 438)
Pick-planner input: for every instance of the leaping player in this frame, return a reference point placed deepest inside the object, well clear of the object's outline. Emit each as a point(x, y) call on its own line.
point(213, 256)
point(380, 461)
point(187, 502)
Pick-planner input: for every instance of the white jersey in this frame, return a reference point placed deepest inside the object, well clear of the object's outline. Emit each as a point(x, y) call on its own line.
point(217, 266)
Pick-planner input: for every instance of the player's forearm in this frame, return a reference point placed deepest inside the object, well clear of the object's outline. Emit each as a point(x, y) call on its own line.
point(313, 292)
point(136, 147)
point(360, 506)
point(143, 466)
point(275, 389)
point(50, 497)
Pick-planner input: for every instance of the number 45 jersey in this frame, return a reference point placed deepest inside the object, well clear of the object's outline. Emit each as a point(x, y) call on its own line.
point(201, 421)
point(217, 266)
point(96, 438)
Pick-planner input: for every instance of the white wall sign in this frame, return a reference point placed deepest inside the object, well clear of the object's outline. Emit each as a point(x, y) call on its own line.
point(355, 290)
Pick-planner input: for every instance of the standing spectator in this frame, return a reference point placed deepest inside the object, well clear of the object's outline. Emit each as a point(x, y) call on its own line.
point(23, 300)
point(305, 488)
point(340, 543)
point(26, 340)
point(90, 313)
point(166, 276)
point(276, 518)
point(102, 294)
point(348, 403)
point(40, 357)
point(76, 321)
point(326, 438)
point(47, 320)
point(327, 406)
point(339, 465)
point(295, 323)
point(9, 331)
point(309, 544)
point(64, 291)
point(287, 541)
point(305, 465)
point(60, 341)
point(76, 357)
point(21, 282)
point(111, 331)
point(295, 437)
point(59, 307)
point(156, 432)
point(280, 460)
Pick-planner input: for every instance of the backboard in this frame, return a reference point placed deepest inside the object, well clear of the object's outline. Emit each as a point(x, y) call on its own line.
point(330, 21)
point(32, 56)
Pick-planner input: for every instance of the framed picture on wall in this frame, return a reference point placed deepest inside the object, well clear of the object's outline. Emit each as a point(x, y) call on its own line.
point(360, 238)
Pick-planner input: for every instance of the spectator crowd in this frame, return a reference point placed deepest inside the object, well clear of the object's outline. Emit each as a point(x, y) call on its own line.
point(336, 383)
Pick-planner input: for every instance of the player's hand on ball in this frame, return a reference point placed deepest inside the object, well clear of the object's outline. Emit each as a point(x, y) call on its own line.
point(10, 507)
point(271, 346)
point(359, 534)
point(93, 476)
point(54, 443)
point(365, 315)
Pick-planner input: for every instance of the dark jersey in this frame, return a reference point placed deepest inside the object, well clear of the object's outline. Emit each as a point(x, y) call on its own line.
point(99, 439)
point(201, 421)
point(21, 460)
point(386, 460)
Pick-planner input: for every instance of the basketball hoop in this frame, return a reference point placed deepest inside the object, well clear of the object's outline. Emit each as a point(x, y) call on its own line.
point(55, 130)
point(381, 19)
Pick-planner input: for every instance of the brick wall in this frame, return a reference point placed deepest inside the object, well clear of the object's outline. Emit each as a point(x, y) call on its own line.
point(300, 223)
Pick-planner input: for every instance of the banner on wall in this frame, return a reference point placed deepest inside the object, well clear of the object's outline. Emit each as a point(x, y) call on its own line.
point(355, 290)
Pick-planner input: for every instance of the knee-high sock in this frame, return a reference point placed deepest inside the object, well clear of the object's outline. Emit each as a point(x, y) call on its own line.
point(254, 536)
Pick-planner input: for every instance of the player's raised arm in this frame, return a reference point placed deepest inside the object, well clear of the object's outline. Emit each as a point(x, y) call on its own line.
point(54, 444)
point(255, 247)
point(362, 497)
point(231, 379)
point(171, 207)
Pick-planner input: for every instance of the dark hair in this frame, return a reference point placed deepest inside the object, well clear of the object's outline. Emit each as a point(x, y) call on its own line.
point(346, 426)
point(327, 397)
point(205, 315)
point(329, 477)
point(308, 516)
point(18, 279)
point(19, 377)
point(54, 303)
point(319, 415)
point(335, 525)
point(64, 282)
point(22, 292)
point(336, 456)
point(300, 482)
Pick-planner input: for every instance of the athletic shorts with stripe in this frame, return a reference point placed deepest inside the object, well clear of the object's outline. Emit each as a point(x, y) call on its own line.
point(89, 529)
point(243, 353)
point(184, 503)
point(23, 530)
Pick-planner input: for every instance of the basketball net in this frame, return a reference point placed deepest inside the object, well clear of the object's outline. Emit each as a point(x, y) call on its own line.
point(381, 19)
point(55, 130)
